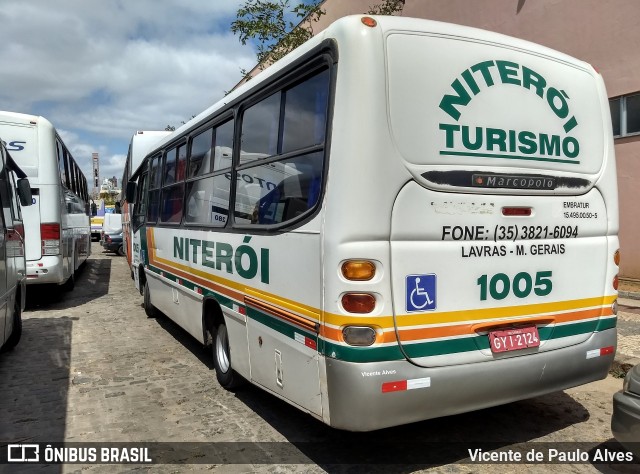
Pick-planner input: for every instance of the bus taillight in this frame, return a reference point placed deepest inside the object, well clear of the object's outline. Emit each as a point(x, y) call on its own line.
point(359, 335)
point(50, 235)
point(358, 270)
point(359, 303)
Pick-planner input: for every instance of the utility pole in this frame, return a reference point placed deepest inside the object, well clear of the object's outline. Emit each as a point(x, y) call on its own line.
point(96, 174)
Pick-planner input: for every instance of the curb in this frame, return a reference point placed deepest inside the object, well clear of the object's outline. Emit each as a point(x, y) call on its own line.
point(629, 294)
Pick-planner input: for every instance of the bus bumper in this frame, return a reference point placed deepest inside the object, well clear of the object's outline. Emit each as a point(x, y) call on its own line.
point(357, 401)
point(46, 270)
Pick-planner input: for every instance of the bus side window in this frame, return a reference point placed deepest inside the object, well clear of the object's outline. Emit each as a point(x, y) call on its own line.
point(284, 189)
point(295, 194)
point(153, 196)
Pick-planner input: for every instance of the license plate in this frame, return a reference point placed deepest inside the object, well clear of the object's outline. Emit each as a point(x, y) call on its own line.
point(514, 339)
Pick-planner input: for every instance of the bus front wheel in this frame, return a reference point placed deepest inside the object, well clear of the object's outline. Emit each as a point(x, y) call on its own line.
point(226, 376)
point(149, 309)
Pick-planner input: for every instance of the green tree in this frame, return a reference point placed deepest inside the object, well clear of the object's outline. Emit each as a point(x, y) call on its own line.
point(267, 23)
point(387, 7)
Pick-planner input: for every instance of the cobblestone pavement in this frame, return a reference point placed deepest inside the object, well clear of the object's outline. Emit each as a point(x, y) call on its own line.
point(91, 367)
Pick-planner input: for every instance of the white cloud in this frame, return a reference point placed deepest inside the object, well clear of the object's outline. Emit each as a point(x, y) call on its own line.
point(99, 70)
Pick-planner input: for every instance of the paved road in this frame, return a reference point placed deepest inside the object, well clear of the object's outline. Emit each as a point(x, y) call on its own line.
point(93, 368)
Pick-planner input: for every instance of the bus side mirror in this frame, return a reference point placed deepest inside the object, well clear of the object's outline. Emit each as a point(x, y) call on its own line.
point(24, 192)
point(131, 192)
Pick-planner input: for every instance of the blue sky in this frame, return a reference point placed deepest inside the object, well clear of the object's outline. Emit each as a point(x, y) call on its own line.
point(101, 69)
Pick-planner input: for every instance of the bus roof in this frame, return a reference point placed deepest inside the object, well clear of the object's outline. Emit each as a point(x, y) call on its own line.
point(22, 119)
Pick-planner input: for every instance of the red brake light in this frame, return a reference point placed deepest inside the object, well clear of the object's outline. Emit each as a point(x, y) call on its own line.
point(516, 211)
point(50, 231)
point(358, 302)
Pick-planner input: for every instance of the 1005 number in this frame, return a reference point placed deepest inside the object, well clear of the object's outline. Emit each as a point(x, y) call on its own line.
point(500, 285)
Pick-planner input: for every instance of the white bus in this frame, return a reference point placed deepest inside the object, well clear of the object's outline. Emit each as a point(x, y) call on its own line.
point(442, 236)
point(141, 142)
point(57, 224)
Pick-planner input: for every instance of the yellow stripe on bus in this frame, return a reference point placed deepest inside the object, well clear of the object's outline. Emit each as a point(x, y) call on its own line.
point(225, 286)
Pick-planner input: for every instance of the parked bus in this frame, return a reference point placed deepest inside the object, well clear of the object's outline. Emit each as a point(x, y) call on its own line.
point(140, 144)
point(418, 219)
point(13, 195)
point(57, 223)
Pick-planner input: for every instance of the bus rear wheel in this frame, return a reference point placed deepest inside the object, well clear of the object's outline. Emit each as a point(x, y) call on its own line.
point(226, 376)
point(149, 309)
point(70, 284)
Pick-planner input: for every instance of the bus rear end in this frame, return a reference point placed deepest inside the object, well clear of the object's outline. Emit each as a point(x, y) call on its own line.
point(31, 141)
point(503, 247)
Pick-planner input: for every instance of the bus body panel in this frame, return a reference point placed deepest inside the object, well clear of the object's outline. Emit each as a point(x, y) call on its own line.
point(461, 269)
point(257, 282)
point(492, 104)
point(31, 216)
point(390, 393)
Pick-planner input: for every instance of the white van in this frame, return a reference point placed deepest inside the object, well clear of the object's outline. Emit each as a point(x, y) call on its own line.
point(13, 275)
point(112, 224)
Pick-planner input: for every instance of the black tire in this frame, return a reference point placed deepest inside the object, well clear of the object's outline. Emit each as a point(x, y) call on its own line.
point(70, 284)
point(121, 251)
point(150, 310)
point(227, 377)
point(16, 332)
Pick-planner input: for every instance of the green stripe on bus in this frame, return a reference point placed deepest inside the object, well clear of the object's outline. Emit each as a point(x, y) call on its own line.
point(278, 324)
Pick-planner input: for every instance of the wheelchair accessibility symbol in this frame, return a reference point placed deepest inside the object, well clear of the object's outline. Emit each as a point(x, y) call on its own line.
point(421, 292)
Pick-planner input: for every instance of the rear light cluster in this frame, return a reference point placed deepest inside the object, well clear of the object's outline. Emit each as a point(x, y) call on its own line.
point(358, 302)
point(50, 235)
point(516, 211)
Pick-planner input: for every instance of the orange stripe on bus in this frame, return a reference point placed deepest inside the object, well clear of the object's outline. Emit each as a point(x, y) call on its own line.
point(418, 334)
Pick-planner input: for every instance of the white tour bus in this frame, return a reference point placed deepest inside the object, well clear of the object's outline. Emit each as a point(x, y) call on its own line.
point(13, 195)
point(418, 219)
point(141, 142)
point(57, 223)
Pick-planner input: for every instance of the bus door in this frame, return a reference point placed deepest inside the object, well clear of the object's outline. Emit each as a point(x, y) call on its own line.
point(136, 229)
